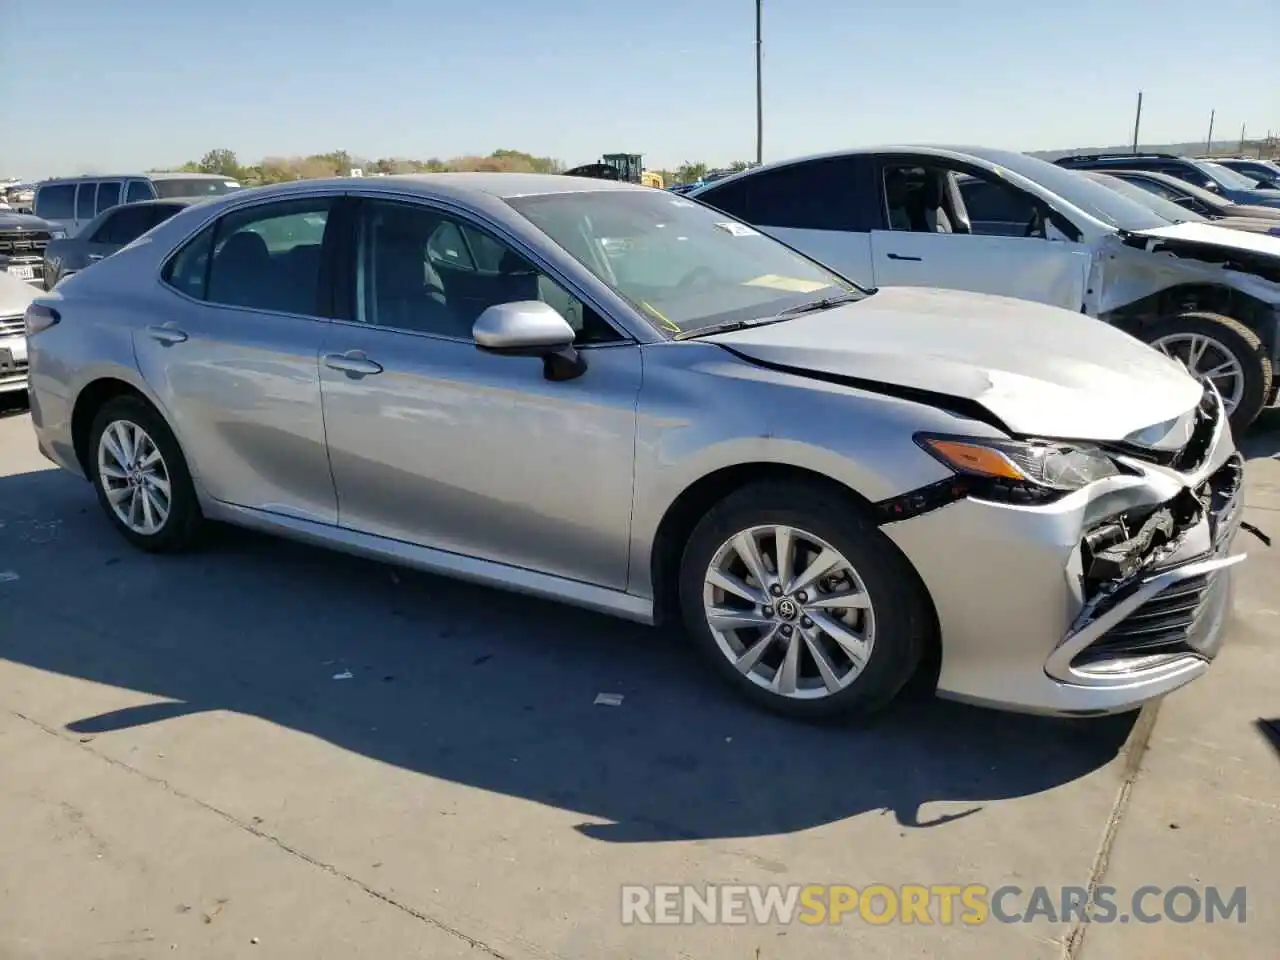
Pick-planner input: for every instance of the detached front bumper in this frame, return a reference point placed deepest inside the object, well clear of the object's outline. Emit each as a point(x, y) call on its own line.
point(1028, 622)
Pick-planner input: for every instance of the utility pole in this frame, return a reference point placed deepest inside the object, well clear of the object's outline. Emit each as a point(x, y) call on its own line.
point(759, 86)
point(1208, 143)
point(1137, 121)
point(1242, 126)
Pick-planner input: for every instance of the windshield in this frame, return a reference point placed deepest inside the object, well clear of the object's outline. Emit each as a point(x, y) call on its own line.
point(1225, 177)
point(682, 265)
point(1079, 191)
point(1157, 204)
point(193, 187)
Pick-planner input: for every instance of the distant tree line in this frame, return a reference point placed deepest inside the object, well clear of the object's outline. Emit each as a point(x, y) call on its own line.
point(225, 163)
point(340, 163)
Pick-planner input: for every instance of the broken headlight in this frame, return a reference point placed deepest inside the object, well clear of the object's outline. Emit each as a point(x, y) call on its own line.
point(1037, 469)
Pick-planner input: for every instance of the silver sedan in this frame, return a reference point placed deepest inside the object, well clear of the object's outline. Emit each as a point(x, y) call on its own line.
point(620, 398)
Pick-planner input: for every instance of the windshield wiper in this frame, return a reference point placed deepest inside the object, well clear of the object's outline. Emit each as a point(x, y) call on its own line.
point(812, 306)
point(823, 303)
point(727, 327)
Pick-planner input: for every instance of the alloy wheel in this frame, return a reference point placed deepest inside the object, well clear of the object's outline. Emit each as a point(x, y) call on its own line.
point(134, 477)
point(1207, 359)
point(789, 611)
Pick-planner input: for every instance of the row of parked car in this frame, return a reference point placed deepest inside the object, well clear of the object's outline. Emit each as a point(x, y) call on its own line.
point(833, 472)
point(81, 207)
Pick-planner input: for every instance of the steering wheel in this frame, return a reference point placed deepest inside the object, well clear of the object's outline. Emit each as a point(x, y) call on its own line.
point(697, 277)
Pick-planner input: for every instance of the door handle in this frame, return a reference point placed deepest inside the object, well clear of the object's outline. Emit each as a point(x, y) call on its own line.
point(353, 363)
point(898, 256)
point(96, 256)
point(167, 334)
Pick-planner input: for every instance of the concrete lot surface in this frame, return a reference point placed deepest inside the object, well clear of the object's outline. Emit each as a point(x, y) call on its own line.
point(181, 774)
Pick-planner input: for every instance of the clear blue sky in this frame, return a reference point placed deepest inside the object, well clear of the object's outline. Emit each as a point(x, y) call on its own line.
point(127, 85)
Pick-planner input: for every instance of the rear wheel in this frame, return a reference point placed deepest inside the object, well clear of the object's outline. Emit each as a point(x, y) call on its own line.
point(801, 603)
point(141, 477)
point(1223, 351)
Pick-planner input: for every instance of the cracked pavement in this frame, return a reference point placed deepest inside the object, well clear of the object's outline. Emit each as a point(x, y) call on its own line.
point(181, 774)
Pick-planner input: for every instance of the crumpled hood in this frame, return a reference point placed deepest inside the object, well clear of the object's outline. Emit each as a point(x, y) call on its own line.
point(1250, 225)
point(1211, 234)
point(1041, 370)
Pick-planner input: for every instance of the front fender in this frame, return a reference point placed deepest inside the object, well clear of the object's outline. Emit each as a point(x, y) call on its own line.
point(703, 410)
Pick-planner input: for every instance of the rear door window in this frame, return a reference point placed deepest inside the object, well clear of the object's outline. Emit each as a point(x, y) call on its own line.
point(268, 257)
point(86, 201)
point(138, 190)
point(108, 195)
point(125, 225)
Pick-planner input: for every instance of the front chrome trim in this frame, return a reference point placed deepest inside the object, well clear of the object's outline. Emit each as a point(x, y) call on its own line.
point(1059, 666)
point(1088, 628)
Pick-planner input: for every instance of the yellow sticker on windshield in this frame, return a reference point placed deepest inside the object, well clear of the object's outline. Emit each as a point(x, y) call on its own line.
point(787, 284)
point(666, 321)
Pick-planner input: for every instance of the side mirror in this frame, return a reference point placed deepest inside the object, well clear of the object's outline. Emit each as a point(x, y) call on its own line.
point(530, 328)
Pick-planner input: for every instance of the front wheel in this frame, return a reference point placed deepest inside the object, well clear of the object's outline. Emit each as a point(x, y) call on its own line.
point(1224, 351)
point(801, 603)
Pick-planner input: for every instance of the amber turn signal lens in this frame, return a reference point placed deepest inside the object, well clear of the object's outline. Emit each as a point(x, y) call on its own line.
point(976, 459)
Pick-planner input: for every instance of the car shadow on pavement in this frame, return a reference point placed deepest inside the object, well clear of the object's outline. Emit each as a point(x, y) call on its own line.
point(485, 688)
point(1263, 438)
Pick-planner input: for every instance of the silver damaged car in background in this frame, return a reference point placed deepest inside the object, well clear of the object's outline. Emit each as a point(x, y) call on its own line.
point(619, 398)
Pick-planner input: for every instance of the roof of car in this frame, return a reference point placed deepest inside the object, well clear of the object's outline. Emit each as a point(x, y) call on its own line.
point(164, 201)
point(941, 151)
point(170, 175)
point(505, 185)
point(500, 185)
point(179, 175)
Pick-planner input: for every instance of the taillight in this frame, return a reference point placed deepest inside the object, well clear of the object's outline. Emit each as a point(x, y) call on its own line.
point(39, 317)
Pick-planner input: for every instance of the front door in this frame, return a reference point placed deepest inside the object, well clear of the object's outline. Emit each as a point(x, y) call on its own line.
point(1000, 242)
point(435, 443)
point(232, 355)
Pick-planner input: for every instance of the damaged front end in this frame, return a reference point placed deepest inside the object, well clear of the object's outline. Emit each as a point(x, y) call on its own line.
point(1154, 577)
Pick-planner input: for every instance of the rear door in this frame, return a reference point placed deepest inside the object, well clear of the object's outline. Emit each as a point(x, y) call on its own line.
point(822, 207)
point(1007, 243)
point(231, 352)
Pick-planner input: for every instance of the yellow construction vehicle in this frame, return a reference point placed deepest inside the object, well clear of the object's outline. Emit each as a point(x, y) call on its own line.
point(619, 166)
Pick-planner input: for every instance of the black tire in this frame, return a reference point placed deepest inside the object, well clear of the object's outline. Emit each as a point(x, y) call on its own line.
point(182, 527)
point(1242, 343)
point(903, 620)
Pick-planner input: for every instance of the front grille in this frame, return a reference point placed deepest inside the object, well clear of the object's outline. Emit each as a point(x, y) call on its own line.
point(23, 243)
point(1161, 625)
point(12, 326)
